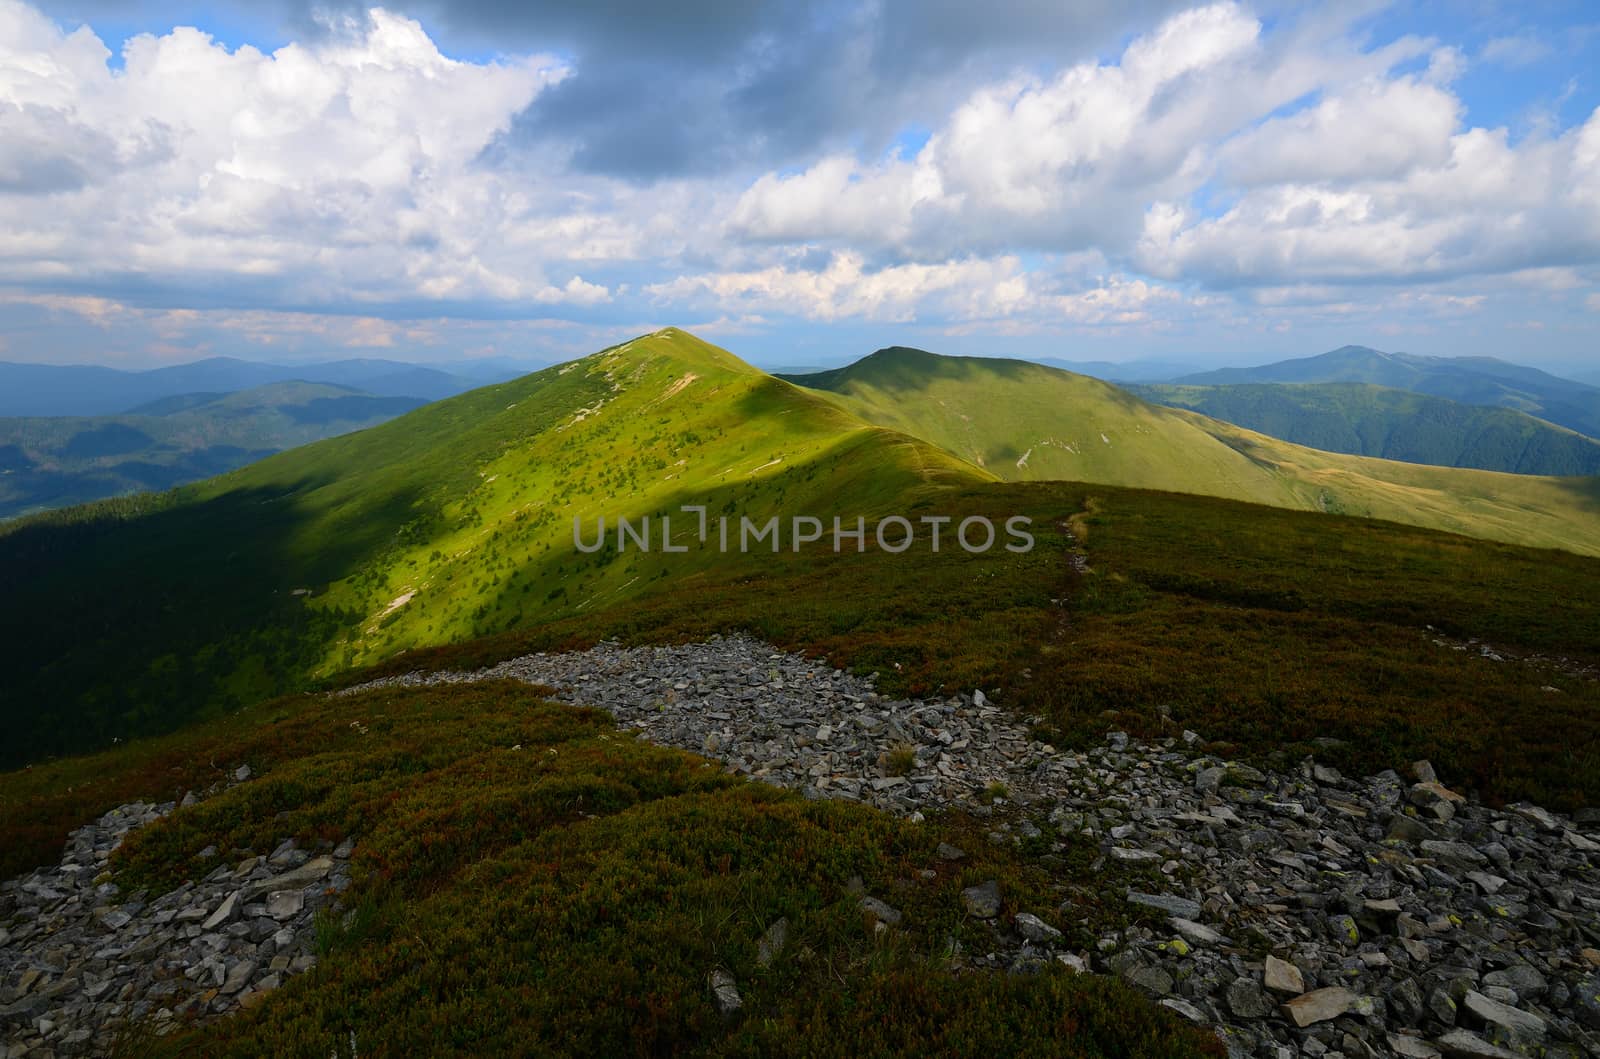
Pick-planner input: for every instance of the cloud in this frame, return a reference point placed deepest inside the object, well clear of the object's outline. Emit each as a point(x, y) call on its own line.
point(1471, 204)
point(1378, 128)
point(1012, 168)
point(845, 287)
point(1059, 163)
point(347, 170)
point(690, 89)
point(1515, 52)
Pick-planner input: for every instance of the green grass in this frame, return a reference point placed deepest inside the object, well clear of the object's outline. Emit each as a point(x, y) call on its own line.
point(131, 617)
point(454, 523)
point(1261, 628)
point(530, 880)
point(1025, 422)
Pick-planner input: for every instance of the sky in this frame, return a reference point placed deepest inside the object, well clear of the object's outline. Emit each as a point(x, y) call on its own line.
point(801, 181)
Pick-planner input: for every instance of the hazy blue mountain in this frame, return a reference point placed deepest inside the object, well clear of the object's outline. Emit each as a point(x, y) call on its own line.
point(55, 461)
point(1125, 371)
point(88, 390)
point(1367, 420)
point(1470, 380)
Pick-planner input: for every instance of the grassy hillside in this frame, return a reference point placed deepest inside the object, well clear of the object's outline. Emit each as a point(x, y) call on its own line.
point(1026, 422)
point(530, 880)
point(1265, 628)
point(1469, 380)
point(453, 526)
point(450, 523)
point(1365, 420)
point(58, 461)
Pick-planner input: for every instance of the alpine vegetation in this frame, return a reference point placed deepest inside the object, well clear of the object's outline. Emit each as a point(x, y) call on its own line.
point(891, 534)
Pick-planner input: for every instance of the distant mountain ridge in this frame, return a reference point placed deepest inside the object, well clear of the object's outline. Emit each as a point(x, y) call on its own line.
point(91, 390)
point(1363, 419)
point(1025, 422)
point(1469, 380)
point(56, 461)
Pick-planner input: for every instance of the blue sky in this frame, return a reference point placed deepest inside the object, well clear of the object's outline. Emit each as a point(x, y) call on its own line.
point(800, 181)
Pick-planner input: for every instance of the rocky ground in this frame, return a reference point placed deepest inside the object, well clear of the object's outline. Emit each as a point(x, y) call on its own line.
point(1297, 913)
point(80, 960)
point(1300, 913)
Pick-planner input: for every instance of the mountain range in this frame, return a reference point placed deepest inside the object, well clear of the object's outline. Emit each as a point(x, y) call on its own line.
point(1468, 380)
point(88, 390)
point(1023, 422)
point(455, 521)
point(485, 868)
point(1368, 420)
point(55, 461)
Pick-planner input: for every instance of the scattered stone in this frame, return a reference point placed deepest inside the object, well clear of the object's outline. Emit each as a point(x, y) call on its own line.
point(1283, 977)
point(1319, 1005)
point(1181, 907)
point(880, 911)
point(79, 959)
point(1504, 1023)
point(1184, 1008)
point(1459, 1044)
point(1035, 929)
point(285, 904)
point(1411, 1047)
point(982, 901)
point(1247, 1001)
point(725, 993)
point(772, 942)
point(1196, 933)
point(224, 914)
point(1447, 896)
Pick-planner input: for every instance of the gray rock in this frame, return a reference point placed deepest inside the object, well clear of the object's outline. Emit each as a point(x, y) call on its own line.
point(1526, 981)
point(1320, 1005)
point(1283, 977)
point(772, 942)
point(1247, 1001)
point(982, 901)
point(1586, 1002)
point(1035, 929)
point(725, 993)
point(312, 871)
point(285, 904)
point(1134, 856)
point(225, 912)
point(238, 975)
point(1459, 1044)
point(1184, 1008)
point(1181, 907)
point(1518, 1026)
point(881, 911)
point(1195, 933)
point(1153, 980)
point(1411, 1047)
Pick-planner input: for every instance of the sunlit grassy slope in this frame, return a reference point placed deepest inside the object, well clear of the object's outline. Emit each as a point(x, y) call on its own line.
point(452, 522)
point(1023, 422)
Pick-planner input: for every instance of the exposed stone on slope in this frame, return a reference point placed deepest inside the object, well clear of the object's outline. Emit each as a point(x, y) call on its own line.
point(79, 959)
point(1391, 899)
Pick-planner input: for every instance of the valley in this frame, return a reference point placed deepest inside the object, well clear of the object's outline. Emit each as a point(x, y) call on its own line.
point(313, 616)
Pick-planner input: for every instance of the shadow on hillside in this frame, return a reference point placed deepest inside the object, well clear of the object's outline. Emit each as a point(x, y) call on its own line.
point(132, 616)
point(1585, 490)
